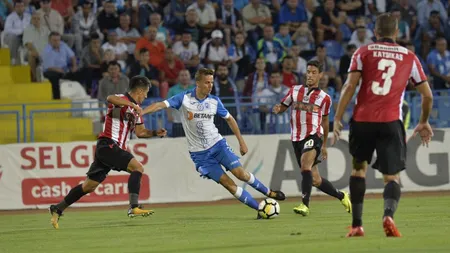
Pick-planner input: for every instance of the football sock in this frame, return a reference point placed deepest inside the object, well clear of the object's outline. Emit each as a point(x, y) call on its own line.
point(357, 191)
point(257, 185)
point(245, 197)
point(74, 195)
point(329, 189)
point(134, 186)
point(306, 186)
point(391, 197)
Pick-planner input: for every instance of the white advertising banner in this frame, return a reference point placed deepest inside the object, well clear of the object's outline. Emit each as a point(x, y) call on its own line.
point(34, 175)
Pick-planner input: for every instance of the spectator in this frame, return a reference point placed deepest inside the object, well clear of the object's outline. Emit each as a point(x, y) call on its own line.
point(170, 68)
point(409, 14)
point(6, 6)
point(376, 7)
point(299, 62)
point(30, 9)
point(289, 78)
point(328, 66)
point(325, 22)
point(428, 32)
point(92, 58)
point(146, 8)
point(54, 22)
point(240, 4)
point(361, 39)
point(353, 8)
point(361, 22)
point(177, 11)
point(108, 56)
point(65, 9)
point(410, 46)
point(226, 89)
point(155, 47)
point(108, 19)
point(191, 25)
point(15, 24)
point(213, 52)
point(119, 48)
point(35, 39)
point(114, 83)
point(127, 35)
point(439, 64)
point(269, 97)
point(143, 68)
point(84, 24)
point(293, 14)
point(284, 36)
point(256, 16)
point(229, 20)
point(187, 51)
point(426, 7)
point(162, 34)
point(323, 85)
point(184, 83)
point(271, 49)
point(344, 62)
point(59, 62)
point(303, 37)
point(206, 14)
point(242, 55)
point(403, 28)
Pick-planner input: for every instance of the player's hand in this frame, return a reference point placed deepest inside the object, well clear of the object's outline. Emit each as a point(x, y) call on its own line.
point(425, 131)
point(337, 129)
point(161, 132)
point(243, 148)
point(324, 153)
point(137, 109)
point(276, 109)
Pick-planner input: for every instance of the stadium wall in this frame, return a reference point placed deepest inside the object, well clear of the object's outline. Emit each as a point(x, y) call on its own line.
point(33, 175)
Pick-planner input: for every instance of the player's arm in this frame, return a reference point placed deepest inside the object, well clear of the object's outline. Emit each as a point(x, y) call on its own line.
point(237, 132)
point(155, 107)
point(173, 102)
point(427, 101)
point(118, 101)
point(142, 132)
point(285, 103)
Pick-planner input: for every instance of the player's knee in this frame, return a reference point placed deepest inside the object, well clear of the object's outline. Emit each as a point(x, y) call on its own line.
point(241, 174)
point(317, 180)
point(89, 186)
point(359, 166)
point(388, 178)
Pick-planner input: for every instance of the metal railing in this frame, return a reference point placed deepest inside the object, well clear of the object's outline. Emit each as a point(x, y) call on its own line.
point(16, 113)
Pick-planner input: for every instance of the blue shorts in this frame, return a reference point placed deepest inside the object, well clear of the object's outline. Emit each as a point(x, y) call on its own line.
point(208, 163)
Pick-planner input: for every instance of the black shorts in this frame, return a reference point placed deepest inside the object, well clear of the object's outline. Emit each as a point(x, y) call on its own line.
point(108, 156)
point(388, 139)
point(309, 143)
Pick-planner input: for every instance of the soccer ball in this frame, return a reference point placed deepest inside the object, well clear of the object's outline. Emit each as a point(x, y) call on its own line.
point(268, 209)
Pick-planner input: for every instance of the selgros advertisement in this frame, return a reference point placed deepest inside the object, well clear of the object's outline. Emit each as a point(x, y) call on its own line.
point(35, 175)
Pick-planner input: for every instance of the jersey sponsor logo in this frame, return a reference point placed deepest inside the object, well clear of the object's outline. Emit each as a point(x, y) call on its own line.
point(388, 48)
point(197, 115)
point(306, 107)
point(309, 144)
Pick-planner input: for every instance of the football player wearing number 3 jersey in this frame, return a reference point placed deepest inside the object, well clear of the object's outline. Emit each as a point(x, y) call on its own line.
point(383, 69)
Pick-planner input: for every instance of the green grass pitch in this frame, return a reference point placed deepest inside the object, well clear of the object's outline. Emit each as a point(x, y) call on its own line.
point(423, 221)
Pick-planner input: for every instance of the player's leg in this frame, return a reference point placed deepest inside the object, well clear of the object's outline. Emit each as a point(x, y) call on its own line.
point(391, 150)
point(134, 186)
point(306, 162)
point(327, 187)
point(237, 191)
point(362, 145)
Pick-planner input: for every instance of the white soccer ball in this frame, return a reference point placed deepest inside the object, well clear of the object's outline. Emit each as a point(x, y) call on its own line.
point(269, 209)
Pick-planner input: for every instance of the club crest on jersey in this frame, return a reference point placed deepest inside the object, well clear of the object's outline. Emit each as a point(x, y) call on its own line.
point(200, 107)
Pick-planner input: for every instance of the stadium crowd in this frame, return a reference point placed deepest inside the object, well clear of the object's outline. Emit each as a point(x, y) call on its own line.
point(259, 48)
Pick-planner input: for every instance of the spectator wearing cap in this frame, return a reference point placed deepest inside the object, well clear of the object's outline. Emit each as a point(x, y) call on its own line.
point(84, 24)
point(15, 24)
point(271, 48)
point(187, 52)
point(293, 14)
point(426, 7)
point(141, 67)
point(59, 62)
point(54, 22)
point(114, 83)
point(213, 52)
point(206, 14)
point(92, 58)
point(108, 18)
point(256, 16)
point(191, 25)
point(128, 35)
point(229, 20)
point(119, 48)
point(154, 46)
point(35, 39)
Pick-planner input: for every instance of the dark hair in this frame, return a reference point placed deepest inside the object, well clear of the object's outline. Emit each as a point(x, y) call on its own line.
point(203, 72)
point(434, 12)
point(320, 46)
point(316, 64)
point(287, 57)
point(114, 63)
point(275, 72)
point(124, 14)
point(221, 65)
point(94, 36)
point(54, 34)
point(351, 47)
point(386, 25)
point(143, 51)
point(18, 2)
point(139, 82)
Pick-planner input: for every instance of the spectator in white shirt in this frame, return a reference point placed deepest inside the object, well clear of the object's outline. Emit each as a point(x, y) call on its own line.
point(119, 48)
point(15, 24)
point(187, 51)
point(361, 38)
point(35, 39)
point(206, 14)
point(213, 51)
point(84, 24)
point(127, 35)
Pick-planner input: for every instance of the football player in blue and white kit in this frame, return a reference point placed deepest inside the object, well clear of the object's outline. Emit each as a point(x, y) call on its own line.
point(208, 149)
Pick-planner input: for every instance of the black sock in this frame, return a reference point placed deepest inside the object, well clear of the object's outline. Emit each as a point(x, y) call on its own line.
point(134, 186)
point(74, 195)
point(391, 197)
point(329, 189)
point(357, 191)
point(306, 186)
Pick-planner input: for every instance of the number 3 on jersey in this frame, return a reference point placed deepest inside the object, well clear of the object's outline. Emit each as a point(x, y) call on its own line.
point(387, 77)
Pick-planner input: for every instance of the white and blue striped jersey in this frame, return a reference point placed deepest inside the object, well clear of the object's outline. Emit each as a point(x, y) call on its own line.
point(197, 118)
